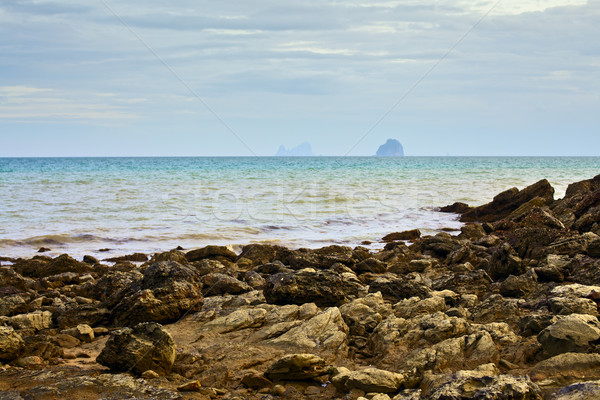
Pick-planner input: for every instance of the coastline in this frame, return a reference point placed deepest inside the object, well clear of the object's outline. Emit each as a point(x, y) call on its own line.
point(487, 312)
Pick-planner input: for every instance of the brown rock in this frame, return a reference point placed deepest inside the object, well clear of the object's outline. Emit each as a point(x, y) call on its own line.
point(405, 235)
point(193, 386)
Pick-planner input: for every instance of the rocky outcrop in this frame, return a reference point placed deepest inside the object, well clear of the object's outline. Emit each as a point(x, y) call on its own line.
point(11, 344)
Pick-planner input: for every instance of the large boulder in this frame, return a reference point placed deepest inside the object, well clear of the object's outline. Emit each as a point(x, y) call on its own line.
point(166, 291)
point(147, 346)
point(508, 201)
point(11, 344)
point(324, 288)
point(211, 252)
point(42, 266)
point(568, 368)
point(573, 333)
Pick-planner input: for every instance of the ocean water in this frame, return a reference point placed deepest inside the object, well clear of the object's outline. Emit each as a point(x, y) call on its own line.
point(84, 205)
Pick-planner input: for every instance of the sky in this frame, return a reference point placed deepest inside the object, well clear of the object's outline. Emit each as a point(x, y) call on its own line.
point(231, 78)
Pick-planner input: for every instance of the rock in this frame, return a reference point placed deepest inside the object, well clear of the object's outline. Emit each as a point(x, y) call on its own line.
point(45, 347)
point(456, 208)
point(440, 245)
point(391, 148)
point(472, 232)
point(239, 319)
point(260, 254)
point(90, 260)
point(364, 314)
point(89, 314)
point(211, 252)
point(297, 367)
point(574, 290)
point(302, 150)
point(30, 362)
point(42, 266)
point(519, 286)
point(368, 379)
point(37, 320)
point(322, 258)
point(138, 349)
point(404, 235)
point(166, 291)
point(578, 391)
point(254, 380)
point(371, 265)
point(324, 332)
point(567, 368)
point(414, 306)
point(193, 386)
point(324, 288)
point(572, 245)
point(82, 332)
point(10, 278)
point(568, 305)
point(149, 374)
point(480, 385)
point(216, 284)
point(396, 288)
point(573, 333)
point(505, 262)
point(136, 257)
point(508, 201)
point(11, 305)
point(11, 344)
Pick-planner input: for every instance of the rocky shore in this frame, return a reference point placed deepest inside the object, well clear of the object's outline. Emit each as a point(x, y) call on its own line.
point(506, 309)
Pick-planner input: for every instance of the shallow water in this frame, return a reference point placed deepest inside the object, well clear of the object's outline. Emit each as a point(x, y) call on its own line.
point(82, 205)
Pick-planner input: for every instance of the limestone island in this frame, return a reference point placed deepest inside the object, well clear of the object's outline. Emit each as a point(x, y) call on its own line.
point(391, 148)
point(302, 150)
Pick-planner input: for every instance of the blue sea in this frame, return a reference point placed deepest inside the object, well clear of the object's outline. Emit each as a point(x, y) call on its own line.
point(84, 205)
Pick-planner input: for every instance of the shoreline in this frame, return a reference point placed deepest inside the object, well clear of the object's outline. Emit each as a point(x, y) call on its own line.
point(487, 312)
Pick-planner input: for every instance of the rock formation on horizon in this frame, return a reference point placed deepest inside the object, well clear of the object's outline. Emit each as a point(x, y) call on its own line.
point(391, 148)
point(302, 150)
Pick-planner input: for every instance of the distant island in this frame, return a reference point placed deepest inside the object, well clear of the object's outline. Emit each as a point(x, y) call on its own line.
point(391, 148)
point(302, 150)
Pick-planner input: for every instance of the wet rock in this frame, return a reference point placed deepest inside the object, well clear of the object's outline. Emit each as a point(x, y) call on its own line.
point(369, 380)
point(396, 288)
point(405, 235)
point(324, 288)
point(138, 349)
point(211, 252)
point(90, 260)
point(573, 333)
point(508, 201)
point(297, 367)
point(457, 208)
point(11, 344)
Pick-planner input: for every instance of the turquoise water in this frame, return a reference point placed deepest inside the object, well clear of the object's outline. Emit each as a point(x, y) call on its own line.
point(81, 205)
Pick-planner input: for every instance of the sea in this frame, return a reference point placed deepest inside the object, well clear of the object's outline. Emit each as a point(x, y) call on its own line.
point(115, 206)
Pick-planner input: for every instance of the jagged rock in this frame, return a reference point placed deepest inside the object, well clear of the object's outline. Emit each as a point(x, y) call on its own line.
point(216, 284)
point(45, 347)
point(396, 288)
point(574, 290)
point(519, 286)
point(322, 258)
point(9, 277)
point(36, 320)
point(371, 265)
point(90, 314)
point(480, 385)
point(567, 368)
point(211, 252)
point(11, 344)
point(297, 367)
point(166, 291)
point(254, 380)
point(472, 232)
point(408, 308)
point(138, 349)
point(441, 244)
point(324, 288)
point(569, 305)
point(474, 282)
point(508, 201)
point(325, 331)
point(572, 245)
point(260, 254)
point(573, 333)
point(369, 380)
point(505, 262)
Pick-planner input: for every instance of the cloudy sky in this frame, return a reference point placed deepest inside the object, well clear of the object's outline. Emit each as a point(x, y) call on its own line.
point(148, 77)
